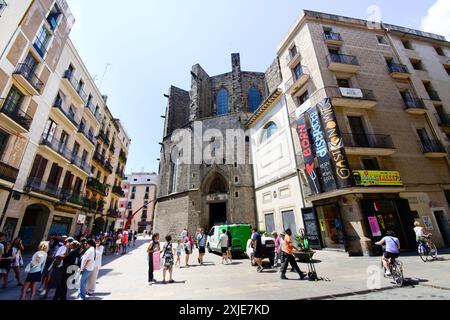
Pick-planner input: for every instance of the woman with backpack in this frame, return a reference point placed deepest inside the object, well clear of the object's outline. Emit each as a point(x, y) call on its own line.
point(167, 254)
point(154, 247)
point(6, 259)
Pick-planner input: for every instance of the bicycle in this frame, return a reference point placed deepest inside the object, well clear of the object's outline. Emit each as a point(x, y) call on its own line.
point(396, 269)
point(427, 250)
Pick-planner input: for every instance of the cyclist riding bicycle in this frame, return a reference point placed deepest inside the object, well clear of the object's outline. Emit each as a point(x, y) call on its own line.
point(392, 249)
point(422, 236)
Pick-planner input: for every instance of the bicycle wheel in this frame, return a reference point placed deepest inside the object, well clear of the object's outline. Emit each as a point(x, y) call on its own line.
point(422, 253)
point(433, 252)
point(397, 274)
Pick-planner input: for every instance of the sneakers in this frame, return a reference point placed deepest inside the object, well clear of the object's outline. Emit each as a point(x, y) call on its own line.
point(302, 275)
point(283, 277)
point(259, 269)
point(43, 293)
point(388, 274)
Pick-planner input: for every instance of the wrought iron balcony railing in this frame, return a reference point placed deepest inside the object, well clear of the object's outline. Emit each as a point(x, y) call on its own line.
point(90, 106)
point(397, 68)
point(80, 163)
point(368, 141)
point(48, 189)
point(414, 103)
point(96, 185)
point(71, 116)
point(69, 76)
point(15, 113)
point(28, 73)
point(118, 190)
point(103, 137)
point(431, 146)
point(57, 146)
point(332, 36)
point(342, 58)
point(88, 134)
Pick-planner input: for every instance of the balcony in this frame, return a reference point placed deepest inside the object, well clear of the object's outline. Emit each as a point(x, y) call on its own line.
point(108, 167)
point(92, 111)
point(80, 163)
point(19, 121)
point(40, 48)
point(27, 79)
point(120, 173)
point(66, 116)
point(443, 119)
point(343, 63)
point(74, 87)
point(296, 83)
point(102, 136)
point(123, 156)
point(113, 213)
point(90, 204)
point(8, 173)
point(87, 135)
point(434, 97)
point(112, 148)
point(293, 58)
point(352, 97)
point(72, 198)
point(44, 188)
point(368, 144)
point(333, 38)
point(398, 71)
point(118, 191)
point(56, 148)
point(100, 159)
point(96, 185)
point(414, 106)
point(433, 149)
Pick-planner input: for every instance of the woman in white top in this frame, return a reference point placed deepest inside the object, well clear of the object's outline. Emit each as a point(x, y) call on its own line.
point(17, 253)
point(97, 265)
point(34, 270)
point(421, 235)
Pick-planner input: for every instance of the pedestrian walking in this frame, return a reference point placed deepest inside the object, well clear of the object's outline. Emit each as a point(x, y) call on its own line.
point(134, 238)
point(257, 249)
point(188, 247)
point(223, 244)
point(167, 253)
point(130, 237)
point(46, 273)
point(118, 243)
point(229, 245)
point(92, 283)
point(6, 260)
point(289, 257)
point(34, 270)
point(184, 234)
point(87, 266)
point(180, 247)
point(18, 248)
point(124, 242)
point(153, 248)
point(201, 241)
point(70, 260)
point(277, 249)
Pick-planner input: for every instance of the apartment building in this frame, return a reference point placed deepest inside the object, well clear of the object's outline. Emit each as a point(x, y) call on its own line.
point(51, 116)
point(140, 191)
point(368, 109)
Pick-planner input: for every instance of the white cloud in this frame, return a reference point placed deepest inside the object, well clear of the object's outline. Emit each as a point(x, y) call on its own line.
point(437, 19)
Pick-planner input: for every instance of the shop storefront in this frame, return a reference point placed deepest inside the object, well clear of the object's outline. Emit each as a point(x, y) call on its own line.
point(60, 225)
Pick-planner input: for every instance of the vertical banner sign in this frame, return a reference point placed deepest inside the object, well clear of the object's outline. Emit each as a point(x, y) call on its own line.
point(336, 146)
point(326, 169)
point(308, 156)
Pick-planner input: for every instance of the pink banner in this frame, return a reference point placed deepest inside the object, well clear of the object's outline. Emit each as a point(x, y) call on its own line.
point(156, 261)
point(375, 227)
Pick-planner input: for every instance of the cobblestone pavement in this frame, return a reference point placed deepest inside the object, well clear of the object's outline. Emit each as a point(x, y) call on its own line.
point(125, 278)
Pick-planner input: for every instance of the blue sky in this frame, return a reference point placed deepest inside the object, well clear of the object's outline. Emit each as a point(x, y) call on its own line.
point(152, 44)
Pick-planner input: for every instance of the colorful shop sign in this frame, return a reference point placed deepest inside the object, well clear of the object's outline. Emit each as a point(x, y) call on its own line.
point(377, 178)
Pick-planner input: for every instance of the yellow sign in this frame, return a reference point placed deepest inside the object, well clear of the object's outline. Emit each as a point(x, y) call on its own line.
point(377, 178)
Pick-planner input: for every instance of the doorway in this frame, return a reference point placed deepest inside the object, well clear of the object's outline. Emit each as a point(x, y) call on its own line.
point(442, 222)
point(34, 223)
point(331, 226)
point(217, 214)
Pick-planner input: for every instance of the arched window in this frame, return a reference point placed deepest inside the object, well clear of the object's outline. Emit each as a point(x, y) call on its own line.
point(173, 175)
point(218, 185)
point(269, 130)
point(222, 102)
point(254, 99)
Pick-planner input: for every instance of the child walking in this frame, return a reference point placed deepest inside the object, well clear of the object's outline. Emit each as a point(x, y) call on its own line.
point(179, 250)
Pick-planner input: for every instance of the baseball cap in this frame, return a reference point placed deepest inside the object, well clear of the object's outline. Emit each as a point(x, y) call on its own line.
point(70, 239)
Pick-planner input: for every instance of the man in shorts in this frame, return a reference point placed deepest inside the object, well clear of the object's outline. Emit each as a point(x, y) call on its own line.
point(201, 241)
point(223, 244)
point(257, 249)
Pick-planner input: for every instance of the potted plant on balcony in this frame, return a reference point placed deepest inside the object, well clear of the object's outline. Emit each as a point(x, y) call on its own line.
point(305, 254)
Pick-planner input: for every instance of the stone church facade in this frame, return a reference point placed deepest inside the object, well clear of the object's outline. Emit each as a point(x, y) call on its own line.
point(204, 194)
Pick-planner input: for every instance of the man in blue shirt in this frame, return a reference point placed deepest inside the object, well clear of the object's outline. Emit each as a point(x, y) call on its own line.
point(201, 241)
